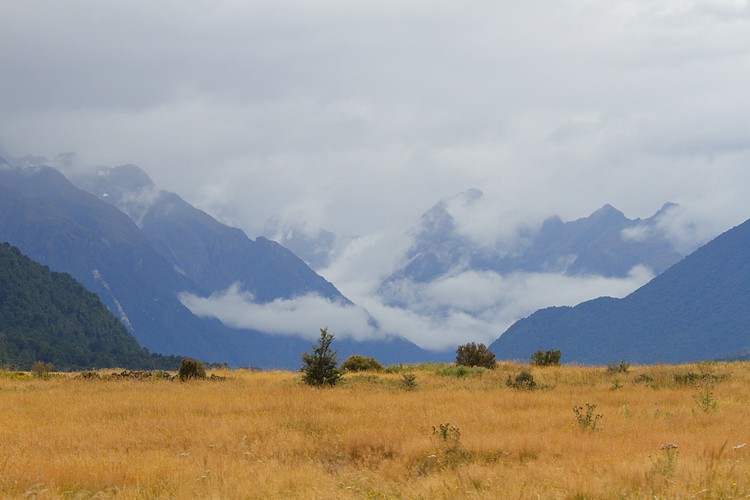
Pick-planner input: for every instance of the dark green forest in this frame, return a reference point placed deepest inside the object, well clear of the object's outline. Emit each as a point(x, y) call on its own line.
point(48, 316)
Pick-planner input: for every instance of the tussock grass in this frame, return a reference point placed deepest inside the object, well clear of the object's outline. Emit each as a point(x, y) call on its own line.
point(268, 435)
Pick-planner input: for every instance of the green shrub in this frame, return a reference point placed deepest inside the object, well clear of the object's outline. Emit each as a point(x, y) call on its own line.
point(473, 354)
point(320, 366)
point(546, 358)
point(524, 380)
point(191, 369)
point(357, 363)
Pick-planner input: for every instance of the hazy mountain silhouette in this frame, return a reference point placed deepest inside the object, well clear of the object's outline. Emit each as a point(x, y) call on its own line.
point(698, 309)
point(138, 272)
point(597, 244)
point(213, 255)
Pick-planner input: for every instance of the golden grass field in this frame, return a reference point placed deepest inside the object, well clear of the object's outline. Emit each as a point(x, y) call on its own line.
point(267, 435)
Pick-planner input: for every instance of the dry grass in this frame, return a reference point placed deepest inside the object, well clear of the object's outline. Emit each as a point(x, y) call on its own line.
point(265, 435)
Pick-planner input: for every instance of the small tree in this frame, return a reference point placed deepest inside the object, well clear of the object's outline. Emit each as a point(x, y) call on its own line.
point(547, 358)
point(473, 354)
point(320, 367)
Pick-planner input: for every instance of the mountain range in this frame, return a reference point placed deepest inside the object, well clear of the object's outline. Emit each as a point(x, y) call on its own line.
point(698, 309)
point(142, 248)
point(606, 243)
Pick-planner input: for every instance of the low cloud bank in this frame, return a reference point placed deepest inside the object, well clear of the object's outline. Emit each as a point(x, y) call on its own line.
point(301, 316)
point(479, 306)
point(471, 306)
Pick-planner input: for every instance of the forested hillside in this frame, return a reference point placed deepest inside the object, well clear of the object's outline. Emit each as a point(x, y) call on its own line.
point(48, 316)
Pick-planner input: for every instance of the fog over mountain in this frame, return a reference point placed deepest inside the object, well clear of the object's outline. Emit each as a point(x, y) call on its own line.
point(698, 309)
point(453, 277)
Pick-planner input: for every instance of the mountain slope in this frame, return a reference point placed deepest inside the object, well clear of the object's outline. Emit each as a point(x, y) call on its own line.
point(213, 255)
point(73, 231)
point(697, 309)
point(54, 223)
point(48, 316)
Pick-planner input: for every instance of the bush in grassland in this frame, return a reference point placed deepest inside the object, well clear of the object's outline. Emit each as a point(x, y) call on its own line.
point(357, 363)
point(473, 354)
point(191, 369)
point(546, 358)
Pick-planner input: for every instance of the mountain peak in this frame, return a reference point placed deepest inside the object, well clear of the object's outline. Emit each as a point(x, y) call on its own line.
point(464, 198)
point(127, 177)
point(609, 212)
point(665, 208)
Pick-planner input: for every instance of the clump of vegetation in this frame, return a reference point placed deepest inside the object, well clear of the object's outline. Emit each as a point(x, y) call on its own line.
point(524, 380)
point(460, 371)
point(14, 375)
point(409, 381)
point(704, 397)
point(546, 358)
point(191, 369)
point(41, 370)
point(694, 378)
point(140, 375)
point(320, 366)
point(616, 384)
point(473, 354)
point(587, 420)
point(666, 464)
point(449, 453)
point(644, 378)
point(396, 368)
point(357, 363)
point(448, 435)
point(615, 368)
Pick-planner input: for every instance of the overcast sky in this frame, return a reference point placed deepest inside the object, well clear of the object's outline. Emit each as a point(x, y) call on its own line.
point(358, 116)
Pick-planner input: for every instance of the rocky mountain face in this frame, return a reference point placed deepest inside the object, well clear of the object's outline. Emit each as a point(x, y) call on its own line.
point(314, 246)
point(698, 309)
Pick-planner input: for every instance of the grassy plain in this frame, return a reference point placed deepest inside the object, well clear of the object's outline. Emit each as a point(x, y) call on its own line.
point(266, 435)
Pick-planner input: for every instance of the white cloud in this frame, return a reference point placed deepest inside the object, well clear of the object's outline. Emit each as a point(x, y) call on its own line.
point(238, 309)
point(637, 233)
point(479, 306)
